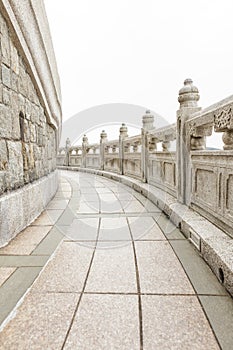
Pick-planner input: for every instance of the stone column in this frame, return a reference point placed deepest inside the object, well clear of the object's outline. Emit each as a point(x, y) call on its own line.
point(123, 135)
point(68, 145)
point(148, 124)
point(84, 151)
point(188, 98)
point(103, 139)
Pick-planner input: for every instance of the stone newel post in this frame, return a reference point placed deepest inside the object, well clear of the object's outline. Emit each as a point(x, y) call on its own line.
point(188, 98)
point(103, 139)
point(84, 151)
point(68, 145)
point(148, 124)
point(123, 135)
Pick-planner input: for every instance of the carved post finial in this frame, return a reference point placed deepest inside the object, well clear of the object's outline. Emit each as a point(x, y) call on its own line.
point(103, 136)
point(85, 139)
point(68, 143)
point(123, 131)
point(148, 120)
point(188, 94)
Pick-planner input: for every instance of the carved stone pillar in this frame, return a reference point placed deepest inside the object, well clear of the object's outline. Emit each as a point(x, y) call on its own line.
point(68, 145)
point(188, 98)
point(84, 150)
point(122, 137)
point(148, 124)
point(103, 139)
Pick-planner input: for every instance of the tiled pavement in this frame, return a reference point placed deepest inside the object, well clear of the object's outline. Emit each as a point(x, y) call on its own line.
point(103, 268)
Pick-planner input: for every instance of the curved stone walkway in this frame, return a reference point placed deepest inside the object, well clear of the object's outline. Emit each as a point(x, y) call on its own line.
point(114, 274)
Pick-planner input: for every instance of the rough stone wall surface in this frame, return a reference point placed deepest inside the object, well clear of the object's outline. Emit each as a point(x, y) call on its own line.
point(27, 141)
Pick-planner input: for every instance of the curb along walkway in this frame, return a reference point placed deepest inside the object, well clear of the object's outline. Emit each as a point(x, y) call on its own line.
point(114, 274)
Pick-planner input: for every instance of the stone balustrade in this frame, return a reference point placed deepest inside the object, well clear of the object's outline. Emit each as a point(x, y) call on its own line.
point(200, 178)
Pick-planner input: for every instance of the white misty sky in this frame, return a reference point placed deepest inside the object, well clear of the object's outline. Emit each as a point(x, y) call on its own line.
point(140, 52)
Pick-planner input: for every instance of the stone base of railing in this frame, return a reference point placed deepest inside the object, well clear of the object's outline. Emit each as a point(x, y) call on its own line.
point(214, 245)
point(20, 208)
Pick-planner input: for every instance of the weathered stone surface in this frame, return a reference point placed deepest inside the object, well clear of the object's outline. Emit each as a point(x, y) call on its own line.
point(3, 156)
point(6, 76)
point(14, 58)
point(6, 96)
point(5, 45)
point(15, 165)
point(5, 122)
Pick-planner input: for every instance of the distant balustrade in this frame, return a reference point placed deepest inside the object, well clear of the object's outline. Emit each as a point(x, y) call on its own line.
point(183, 167)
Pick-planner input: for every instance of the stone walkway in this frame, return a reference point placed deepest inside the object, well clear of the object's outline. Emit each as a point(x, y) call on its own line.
point(103, 268)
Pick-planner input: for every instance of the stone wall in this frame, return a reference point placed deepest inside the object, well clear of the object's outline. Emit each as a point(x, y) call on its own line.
point(27, 141)
point(29, 130)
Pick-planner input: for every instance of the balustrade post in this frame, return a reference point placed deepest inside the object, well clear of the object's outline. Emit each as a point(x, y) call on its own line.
point(103, 139)
point(84, 151)
point(67, 151)
point(188, 98)
point(148, 124)
point(122, 136)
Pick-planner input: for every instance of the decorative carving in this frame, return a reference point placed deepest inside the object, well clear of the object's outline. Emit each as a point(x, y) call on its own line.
point(200, 131)
point(223, 120)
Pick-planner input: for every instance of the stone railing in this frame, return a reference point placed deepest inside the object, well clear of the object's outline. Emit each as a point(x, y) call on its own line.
point(212, 172)
point(200, 178)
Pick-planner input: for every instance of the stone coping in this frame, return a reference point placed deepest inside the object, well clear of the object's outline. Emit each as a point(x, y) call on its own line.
point(30, 25)
point(214, 245)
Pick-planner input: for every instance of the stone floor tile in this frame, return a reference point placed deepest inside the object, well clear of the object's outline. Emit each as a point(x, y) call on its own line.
point(51, 241)
point(145, 228)
point(113, 270)
point(159, 270)
point(83, 229)
point(219, 311)
point(175, 322)
point(66, 271)
point(108, 197)
point(67, 217)
point(124, 196)
point(134, 207)
point(62, 195)
point(26, 241)
point(201, 276)
point(5, 273)
point(14, 288)
point(114, 229)
point(58, 204)
point(111, 207)
point(104, 190)
point(47, 218)
point(22, 260)
point(64, 187)
point(96, 327)
point(92, 207)
point(41, 322)
point(88, 197)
